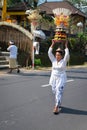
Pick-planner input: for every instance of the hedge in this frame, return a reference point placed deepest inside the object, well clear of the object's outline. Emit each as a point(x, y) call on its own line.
point(76, 59)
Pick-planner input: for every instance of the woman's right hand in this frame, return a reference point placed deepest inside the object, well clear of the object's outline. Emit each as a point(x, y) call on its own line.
point(66, 43)
point(53, 42)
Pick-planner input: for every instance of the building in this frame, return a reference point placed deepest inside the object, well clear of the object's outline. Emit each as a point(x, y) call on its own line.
point(75, 17)
point(16, 14)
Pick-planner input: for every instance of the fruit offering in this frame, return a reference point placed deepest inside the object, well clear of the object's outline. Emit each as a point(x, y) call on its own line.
point(61, 20)
point(60, 35)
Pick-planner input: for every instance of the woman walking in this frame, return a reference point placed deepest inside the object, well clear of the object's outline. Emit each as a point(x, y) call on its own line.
point(58, 74)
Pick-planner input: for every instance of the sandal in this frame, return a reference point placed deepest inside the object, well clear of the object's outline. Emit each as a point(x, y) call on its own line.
point(56, 110)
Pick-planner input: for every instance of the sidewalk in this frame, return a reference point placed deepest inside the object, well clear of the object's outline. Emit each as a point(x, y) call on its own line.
point(49, 68)
point(39, 69)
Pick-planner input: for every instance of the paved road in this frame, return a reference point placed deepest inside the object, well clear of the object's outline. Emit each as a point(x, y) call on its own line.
point(26, 102)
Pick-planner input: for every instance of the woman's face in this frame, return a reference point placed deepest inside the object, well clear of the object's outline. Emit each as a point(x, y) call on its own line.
point(58, 56)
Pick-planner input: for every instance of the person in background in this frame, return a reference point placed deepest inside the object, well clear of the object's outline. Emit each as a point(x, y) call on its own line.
point(36, 45)
point(13, 57)
point(58, 74)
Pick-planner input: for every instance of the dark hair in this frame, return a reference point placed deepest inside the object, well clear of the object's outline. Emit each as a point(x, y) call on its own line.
point(61, 52)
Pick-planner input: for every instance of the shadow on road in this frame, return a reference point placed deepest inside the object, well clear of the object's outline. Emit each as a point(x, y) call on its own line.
point(67, 110)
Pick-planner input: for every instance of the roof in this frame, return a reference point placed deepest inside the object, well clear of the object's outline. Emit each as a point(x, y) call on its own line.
point(49, 6)
point(21, 6)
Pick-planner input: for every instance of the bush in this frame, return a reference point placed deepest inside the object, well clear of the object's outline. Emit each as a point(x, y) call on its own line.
point(44, 59)
point(76, 59)
point(37, 62)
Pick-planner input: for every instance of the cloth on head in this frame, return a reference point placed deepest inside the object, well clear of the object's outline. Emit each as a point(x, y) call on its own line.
point(60, 51)
point(11, 42)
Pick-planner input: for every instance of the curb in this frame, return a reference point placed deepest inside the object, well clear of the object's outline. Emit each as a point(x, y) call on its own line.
point(40, 69)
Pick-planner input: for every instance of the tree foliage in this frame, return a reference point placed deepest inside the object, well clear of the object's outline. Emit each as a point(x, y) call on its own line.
point(31, 2)
point(78, 44)
point(78, 2)
point(12, 2)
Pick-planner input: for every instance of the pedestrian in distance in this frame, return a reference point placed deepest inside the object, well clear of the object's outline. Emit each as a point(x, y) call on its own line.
point(58, 75)
point(36, 45)
point(13, 57)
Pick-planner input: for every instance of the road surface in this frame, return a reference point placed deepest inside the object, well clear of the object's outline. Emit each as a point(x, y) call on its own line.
point(26, 101)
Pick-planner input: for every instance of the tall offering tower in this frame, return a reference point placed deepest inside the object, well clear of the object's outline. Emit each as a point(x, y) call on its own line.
point(61, 20)
point(34, 18)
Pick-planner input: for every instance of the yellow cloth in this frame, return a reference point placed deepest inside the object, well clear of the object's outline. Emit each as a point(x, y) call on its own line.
point(12, 63)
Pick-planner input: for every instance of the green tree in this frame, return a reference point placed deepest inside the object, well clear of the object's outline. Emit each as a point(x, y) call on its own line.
point(78, 2)
point(12, 2)
point(33, 3)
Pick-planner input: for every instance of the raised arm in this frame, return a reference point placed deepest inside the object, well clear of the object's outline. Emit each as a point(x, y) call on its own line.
point(66, 57)
point(50, 54)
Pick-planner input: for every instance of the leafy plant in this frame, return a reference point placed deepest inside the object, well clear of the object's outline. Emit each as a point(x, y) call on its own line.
point(37, 62)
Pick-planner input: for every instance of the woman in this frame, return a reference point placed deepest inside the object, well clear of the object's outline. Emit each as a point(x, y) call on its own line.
point(58, 74)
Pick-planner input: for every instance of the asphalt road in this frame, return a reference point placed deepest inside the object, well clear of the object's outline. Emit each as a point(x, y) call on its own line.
point(26, 102)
